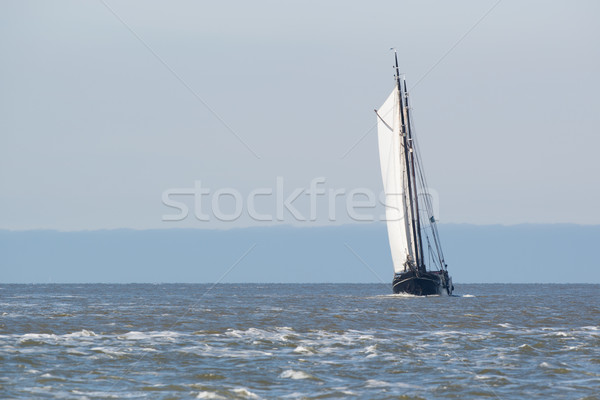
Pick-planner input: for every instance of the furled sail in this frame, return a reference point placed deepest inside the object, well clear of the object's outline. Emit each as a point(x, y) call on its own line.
point(395, 182)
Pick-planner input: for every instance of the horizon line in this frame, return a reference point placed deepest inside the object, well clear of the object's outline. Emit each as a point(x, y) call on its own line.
point(308, 226)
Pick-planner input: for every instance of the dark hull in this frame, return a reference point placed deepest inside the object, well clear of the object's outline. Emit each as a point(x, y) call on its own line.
point(422, 283)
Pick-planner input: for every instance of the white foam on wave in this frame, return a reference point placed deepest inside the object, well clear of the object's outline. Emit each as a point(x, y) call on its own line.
point(45, 337)
point(209, 395)
point(81, 333)
point(76, 352)
point(245, 393)
point(223, 352)
point(361, 335)
point(136, 335)
point(344, 390)
point(401, 295)
point(294, 395)
point(304, 350)
point(376, 383)
point(234, 333)
point(38, 337)
point(290, 373)
point(108, 351)
point(371, 351)
point(28, 336)
point(148, 349)
point(448, 333)
point(245, 354)
point(279, 334)
point(106, 395)
point(198, 350)
point(347, 338)
point(325, 342)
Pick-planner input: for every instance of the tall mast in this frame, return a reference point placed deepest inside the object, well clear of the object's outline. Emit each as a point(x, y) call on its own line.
point(417, 219)
point(410, 177)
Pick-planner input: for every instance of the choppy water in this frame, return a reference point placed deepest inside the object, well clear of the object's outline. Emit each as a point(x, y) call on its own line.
point(298, 341)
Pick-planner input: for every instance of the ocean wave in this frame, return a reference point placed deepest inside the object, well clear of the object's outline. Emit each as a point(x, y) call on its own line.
point(109, 351)
point(245, 393)
point(324, 343)
point(224, 352)
point(79, 334)
point(293, 374)
point(374, 383)
point(209, 395)
point(278, 334)
point(137, 335)
point(304, 350)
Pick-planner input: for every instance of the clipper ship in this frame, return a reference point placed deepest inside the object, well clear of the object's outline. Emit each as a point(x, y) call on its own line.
point(419, 265)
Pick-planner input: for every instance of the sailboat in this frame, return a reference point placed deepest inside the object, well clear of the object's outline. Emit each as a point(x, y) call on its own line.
point(419, 265)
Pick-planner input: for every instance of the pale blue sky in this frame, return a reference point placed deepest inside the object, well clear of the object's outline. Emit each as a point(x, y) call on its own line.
point(94, 127)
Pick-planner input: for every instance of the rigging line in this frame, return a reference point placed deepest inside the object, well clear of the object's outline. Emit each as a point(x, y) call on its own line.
point(424, 323)
point(429, 205)
point(428, 71)
point(425, 193)
point(457, 43)
point(179, 78)
point(433, 253)
point(358, 142)
point(421, 176)
point(364, 135)
point(435, 234)
point(425, 185)
point(365, 263)
point(187, 311)
point(430, 250)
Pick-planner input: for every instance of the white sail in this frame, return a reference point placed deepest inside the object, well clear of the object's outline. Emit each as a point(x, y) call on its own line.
point(395, 182)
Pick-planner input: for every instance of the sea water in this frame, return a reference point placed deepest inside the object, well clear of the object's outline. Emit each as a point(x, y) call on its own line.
point(172, 341)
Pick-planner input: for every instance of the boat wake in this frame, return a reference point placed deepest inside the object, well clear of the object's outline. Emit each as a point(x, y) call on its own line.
point(402, 295)
point(413, 296)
